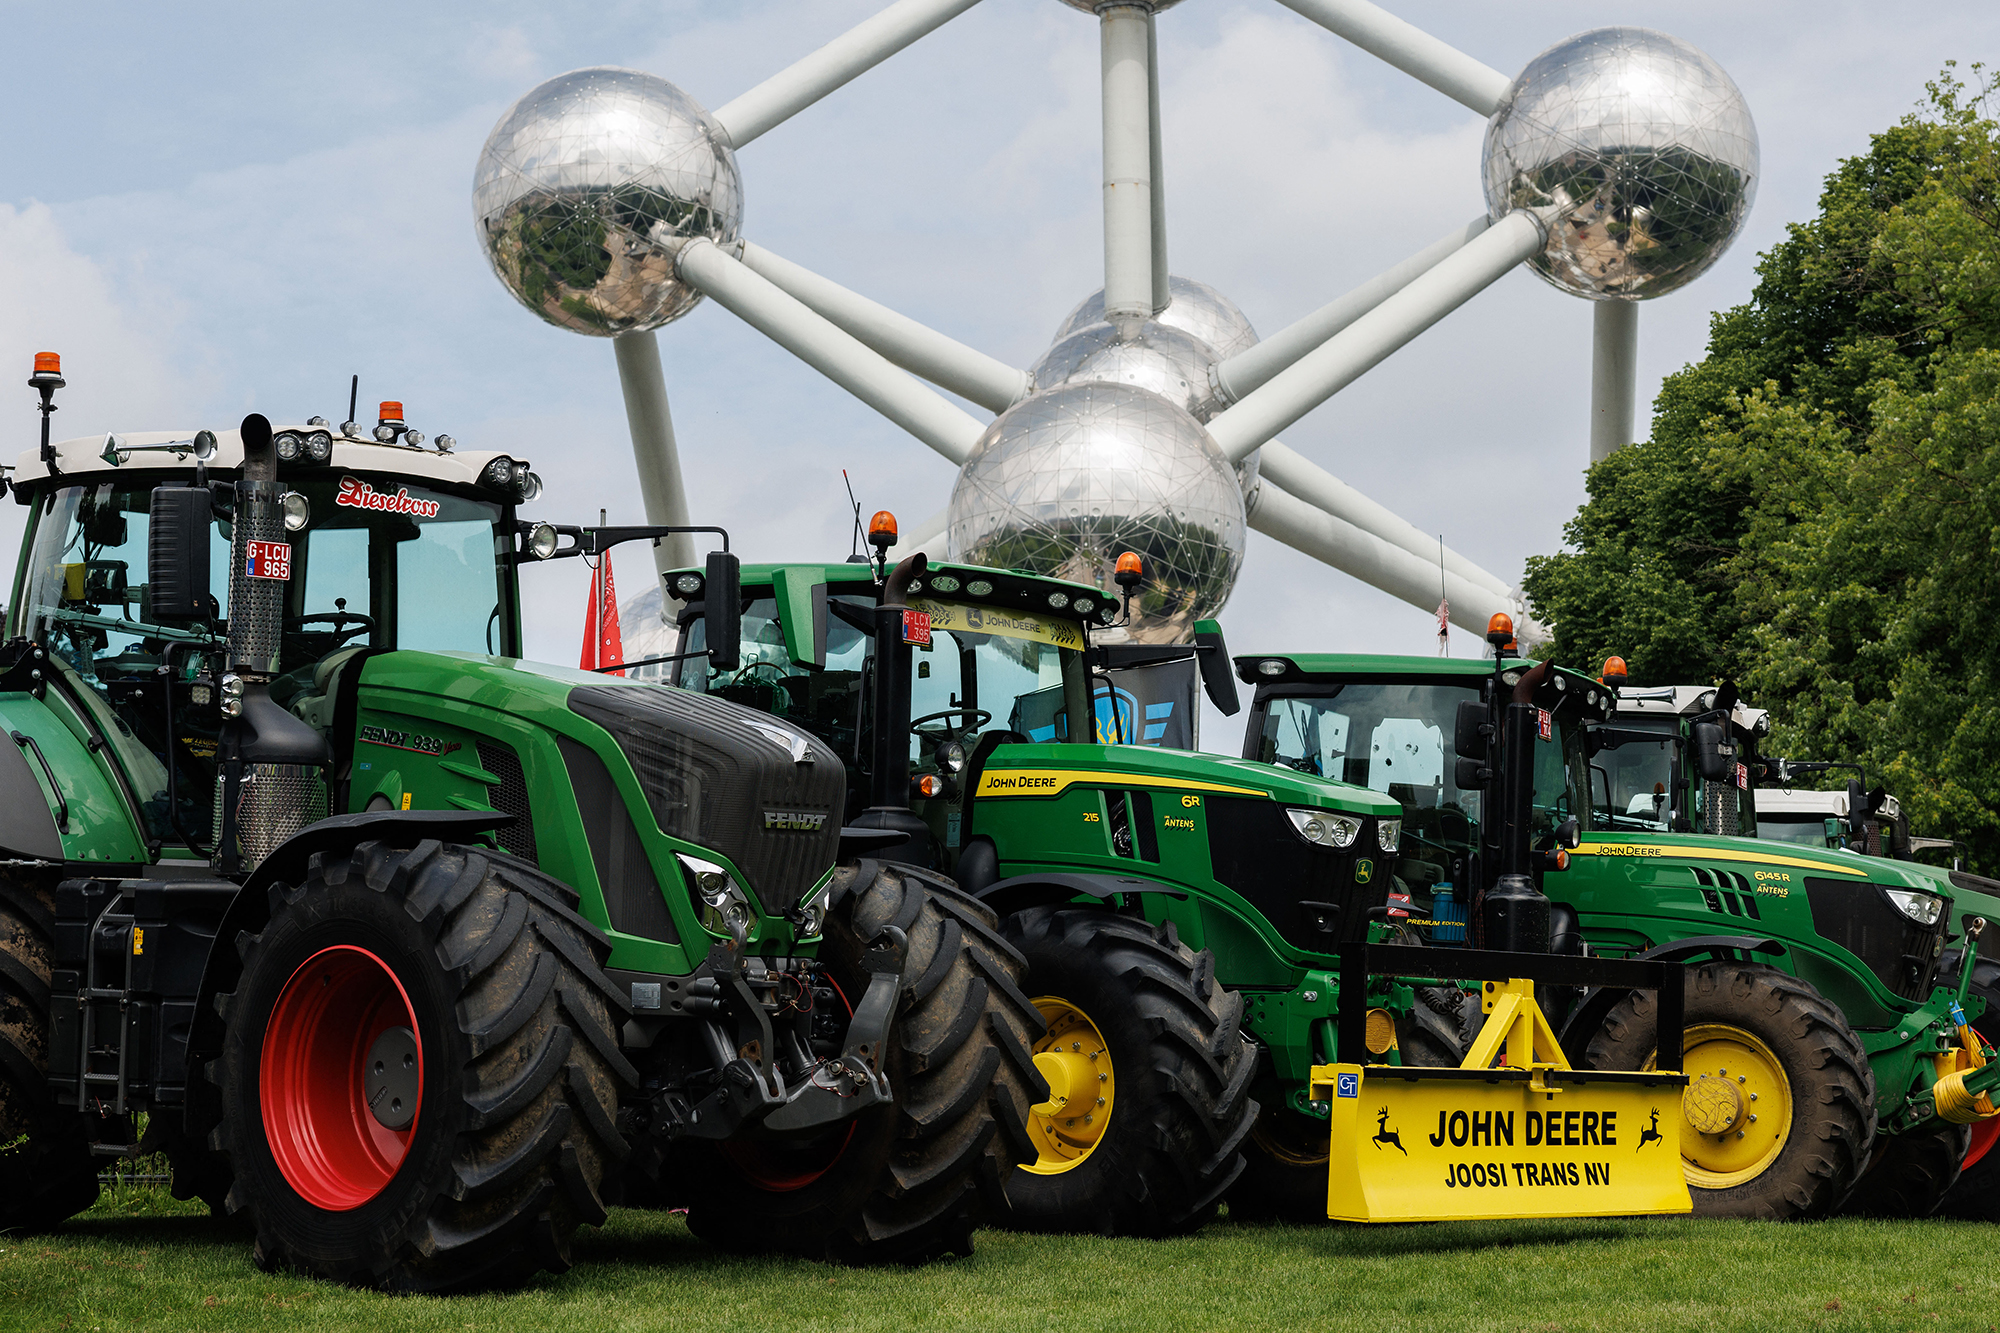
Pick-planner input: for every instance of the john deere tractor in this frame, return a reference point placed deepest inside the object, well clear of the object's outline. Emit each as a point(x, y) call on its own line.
point(1827, 1055)
point(1659, 738)
point(1200, 932)
point(414, 955)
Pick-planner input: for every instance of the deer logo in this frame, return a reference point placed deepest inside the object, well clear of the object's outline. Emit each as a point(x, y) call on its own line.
point(1383, 1134)
point(1651, 1133)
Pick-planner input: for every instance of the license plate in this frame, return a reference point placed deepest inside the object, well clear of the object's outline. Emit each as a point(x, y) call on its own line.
point(917, 627)
point(269, 560)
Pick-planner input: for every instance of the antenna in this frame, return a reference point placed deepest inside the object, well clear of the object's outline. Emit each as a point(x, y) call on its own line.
point(353, 397)
point(854, 546)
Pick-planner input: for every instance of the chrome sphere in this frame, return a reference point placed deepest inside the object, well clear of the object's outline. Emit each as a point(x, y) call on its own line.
point(1092, 6)
point(1645, 148)
point(1069, 478)
point(1158, 357)
point(1192, 307)
point(586, 187)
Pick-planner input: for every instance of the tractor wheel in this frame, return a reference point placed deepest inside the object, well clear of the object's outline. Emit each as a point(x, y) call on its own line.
point(420, 1071)
point(1149, 1076)
point(1976, 1195)
point(1911, 1173)
point(1285, 1161)
point(46, 1170)
point(1779, 1117)
point(908, 1181)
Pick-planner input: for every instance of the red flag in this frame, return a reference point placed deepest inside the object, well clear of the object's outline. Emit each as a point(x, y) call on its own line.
point(603, 646)
point(1444, 626)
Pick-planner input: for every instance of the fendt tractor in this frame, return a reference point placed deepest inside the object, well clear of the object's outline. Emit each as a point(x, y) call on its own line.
point(1203, 935)
point(413, 954)
point(1651, 744)
point(1830, 1062)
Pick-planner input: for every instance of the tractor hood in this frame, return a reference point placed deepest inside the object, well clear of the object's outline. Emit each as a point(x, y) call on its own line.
point(1017, 770)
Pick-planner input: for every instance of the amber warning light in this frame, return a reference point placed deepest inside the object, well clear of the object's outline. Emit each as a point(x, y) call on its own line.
point(1500, 629)
point(391, 414)
point(48, 363)
point(1130, 569)
point(1614, 672)
point(882, 529)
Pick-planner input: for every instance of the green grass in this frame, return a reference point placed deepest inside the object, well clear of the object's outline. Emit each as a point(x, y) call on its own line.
point(138, 1260)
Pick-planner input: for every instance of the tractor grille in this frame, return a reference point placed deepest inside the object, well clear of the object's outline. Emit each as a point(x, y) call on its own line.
point(510, 798)
point(740, 783)
point(1308, 893)
point(273, 801)
point(1720, 803)
point(1859, 917)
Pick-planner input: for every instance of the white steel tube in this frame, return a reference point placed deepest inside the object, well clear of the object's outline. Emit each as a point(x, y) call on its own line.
point(1364, 344)
point(1614, 375)
point(1162, 297)
point(1128, 165)
point(853, 53)
point(1321, 489)
point(1410, 49)
point(654, 452)
point(1249, 369)
point(1282, 515)
point(838, 355)
point(951, 365)
point(928, 537)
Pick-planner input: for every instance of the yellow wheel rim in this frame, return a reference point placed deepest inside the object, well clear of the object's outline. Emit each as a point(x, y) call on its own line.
point(1076, 1061)
point(1736, 1112)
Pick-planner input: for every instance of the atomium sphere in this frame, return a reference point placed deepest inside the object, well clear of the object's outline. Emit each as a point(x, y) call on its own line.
point(1069, 478)
point(1158, 357)
point(1092, 6)
point(586, 186)
point(1192, 307)
point(1644, 147)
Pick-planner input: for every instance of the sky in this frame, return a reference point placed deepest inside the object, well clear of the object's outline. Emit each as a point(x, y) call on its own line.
point(215, 209)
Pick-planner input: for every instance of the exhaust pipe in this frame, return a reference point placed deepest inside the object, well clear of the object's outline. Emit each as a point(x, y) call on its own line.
point(271, 782)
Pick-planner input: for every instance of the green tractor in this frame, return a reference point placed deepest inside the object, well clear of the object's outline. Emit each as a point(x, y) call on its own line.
point(1652, 742)
point(414, 955)
point(1185, 918)
point(1830, 1061)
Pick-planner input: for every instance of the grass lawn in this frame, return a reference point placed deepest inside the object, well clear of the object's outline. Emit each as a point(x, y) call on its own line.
point(139, 1260)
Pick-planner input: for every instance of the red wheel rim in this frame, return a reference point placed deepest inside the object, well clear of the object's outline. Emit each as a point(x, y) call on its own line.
point(327, 1143)
point(780, 1168)
point(1984, 1132)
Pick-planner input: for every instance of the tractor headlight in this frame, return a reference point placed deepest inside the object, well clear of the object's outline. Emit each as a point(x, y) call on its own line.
point(687, 587)
point(1085, 605)
point(413, 438)
point(811, 916)
point(1324, 828)
point(318, 446)
point(287, 444)
point(1922, 908)
point(385, 435)
point(722, 907)
point(1388, 833)
point(542, 541)
point(951, 757)
point(297, 512)
point(498, 475)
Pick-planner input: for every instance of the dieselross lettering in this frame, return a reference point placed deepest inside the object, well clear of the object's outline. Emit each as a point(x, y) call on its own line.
point(358, 494)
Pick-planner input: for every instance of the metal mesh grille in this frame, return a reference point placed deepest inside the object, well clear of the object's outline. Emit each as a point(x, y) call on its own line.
point(273, 802)
point(510, 797)
point(1719, 803)
point(256, 606)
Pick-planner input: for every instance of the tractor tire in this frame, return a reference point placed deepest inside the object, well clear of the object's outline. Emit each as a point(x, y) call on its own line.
point(470, 979)
point(1976, 1194)
point(1910, 1174)
point(908, 1181)
point(1285, 1162)
point(1809, 1154)
point(46, 1171)
point(1176, 1103)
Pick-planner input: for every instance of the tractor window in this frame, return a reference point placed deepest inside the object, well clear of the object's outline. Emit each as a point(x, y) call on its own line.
point(1808, 830)
point(1559, 771)
point(1632, 786)
point(1393, 738)
point(447, 595)
point(827, 703)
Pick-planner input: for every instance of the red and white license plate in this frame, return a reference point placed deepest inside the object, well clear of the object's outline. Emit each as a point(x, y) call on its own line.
point(1545, 725)
point(269, 560)
point(917, 627)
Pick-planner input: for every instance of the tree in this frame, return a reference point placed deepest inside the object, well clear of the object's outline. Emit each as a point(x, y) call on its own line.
point(1817, 512)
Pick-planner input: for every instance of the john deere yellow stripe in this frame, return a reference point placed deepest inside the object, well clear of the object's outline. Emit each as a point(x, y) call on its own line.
point(1054, 781)
point(1668, 851)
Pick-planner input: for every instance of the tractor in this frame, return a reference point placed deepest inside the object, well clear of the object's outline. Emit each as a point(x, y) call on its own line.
point(1830, 1061)
point(414, 955)
point(1199, 932)
point(1655, 740)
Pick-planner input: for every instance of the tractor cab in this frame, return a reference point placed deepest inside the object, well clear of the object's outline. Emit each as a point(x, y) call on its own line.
point(1677, 759)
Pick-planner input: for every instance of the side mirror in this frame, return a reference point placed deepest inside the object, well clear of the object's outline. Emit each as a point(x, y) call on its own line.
point(1857, 814)
point(1714, 753)
point(1469, 731)
point(1470, 775)
point(722, 608)
point(1217, 681)
point(177, 541)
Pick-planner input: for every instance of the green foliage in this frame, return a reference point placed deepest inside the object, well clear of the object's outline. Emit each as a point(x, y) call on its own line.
point(1816, 513)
